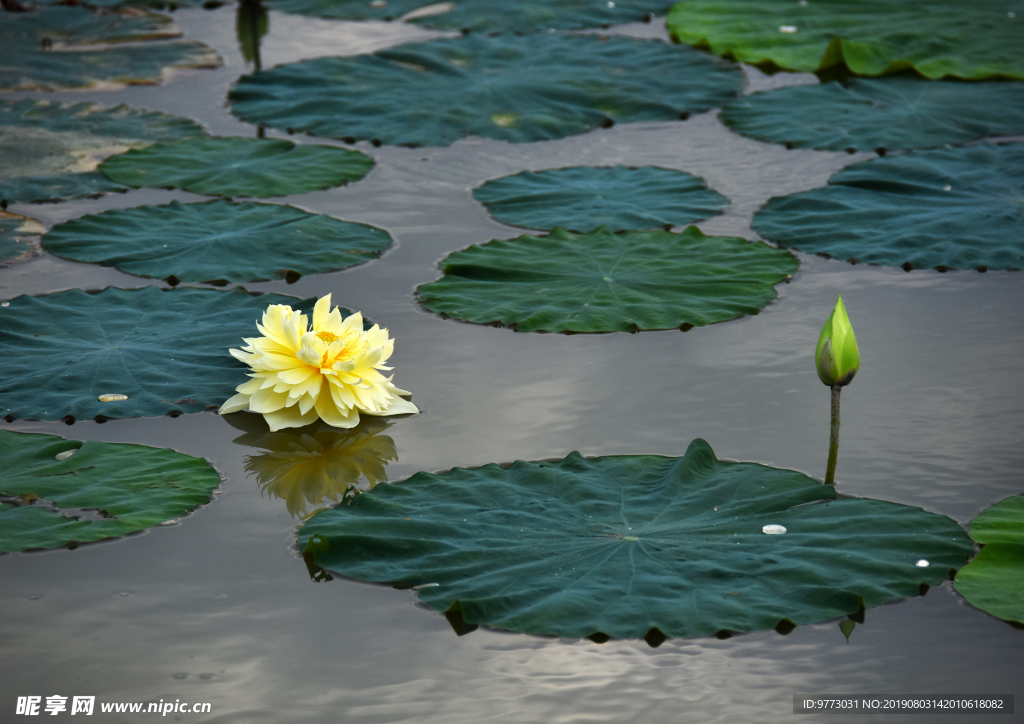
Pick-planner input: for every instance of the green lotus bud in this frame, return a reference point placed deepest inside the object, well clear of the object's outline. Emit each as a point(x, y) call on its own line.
point(837, 356)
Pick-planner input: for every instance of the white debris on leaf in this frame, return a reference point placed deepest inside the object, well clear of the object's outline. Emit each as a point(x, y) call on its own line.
point(64, 455)
point(774, 529)
point(787, 28)
point(922, 563)
point(112, 397)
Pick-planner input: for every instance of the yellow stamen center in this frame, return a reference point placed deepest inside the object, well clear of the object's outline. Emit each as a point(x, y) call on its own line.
point(327, 337)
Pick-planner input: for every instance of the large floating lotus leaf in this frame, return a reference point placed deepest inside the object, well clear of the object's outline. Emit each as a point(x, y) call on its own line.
point(16, 235)
point(102, 490)
point(217, 240)
point(167, 351)
point(255, 167)
point(889, 113)
point(980, 39)
point(957, 208)
point(50, 150)
point(620, 545)
point(994, 580)
point(606, 282)
point(513, 88)
point(57, 47)
point(485, 15)
point(582, 198)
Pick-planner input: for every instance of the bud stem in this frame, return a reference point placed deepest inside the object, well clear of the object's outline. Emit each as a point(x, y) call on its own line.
point(833, 445)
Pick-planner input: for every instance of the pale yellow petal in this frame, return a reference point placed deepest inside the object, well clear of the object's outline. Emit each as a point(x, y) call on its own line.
point(334, 417)
point(264, 401)
point(398, 406)
point(320, 311)
point(234, 404)
point(288, 417)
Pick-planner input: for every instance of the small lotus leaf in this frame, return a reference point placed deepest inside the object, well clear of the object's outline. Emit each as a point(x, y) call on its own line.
point(254, 167)
point(56, 47)
point(621, 545)
point(514, 88)
point(973, 40)
point(994, 580)
point(606, 282)
point(166, 351)
point(50, 150)
point(582, 198)
point(886, 113)
point(217, 240)
point(16, 236)
point(952, 208)
point(103, 490)
point(485, 16)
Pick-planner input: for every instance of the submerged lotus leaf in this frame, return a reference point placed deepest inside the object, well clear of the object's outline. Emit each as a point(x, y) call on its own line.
point(994, 580)
point(217, 241)
point(165, 351)
point(952, 208)
point(872, 113)
point(102, 490)
point(485, 16)
point(621, 545)
point(976, 40)
point(254, 167)
point(17, 234)
point(582, 198)
point(606, 282)
point(513, 88)
point(56, 47)
point(50, 150)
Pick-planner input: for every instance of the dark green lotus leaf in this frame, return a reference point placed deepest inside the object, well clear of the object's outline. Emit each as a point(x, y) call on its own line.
point(994, 580)
point(607, 282)
point(485, 15)
point(50, 48)
point(622, 544)
point(102, 490)
point(513, 88)
point(16, 236)
point(217, 241)
point(954, 208)
point(254, 167)
point(50, 150)
point(888, 113)
point(167, 351)
point(976, 40)
point(582, 198)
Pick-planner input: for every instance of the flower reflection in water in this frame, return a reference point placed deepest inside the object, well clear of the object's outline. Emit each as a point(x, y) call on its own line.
point(316, 463)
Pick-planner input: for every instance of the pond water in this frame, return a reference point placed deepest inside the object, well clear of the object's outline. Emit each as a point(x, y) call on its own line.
point(220, 607)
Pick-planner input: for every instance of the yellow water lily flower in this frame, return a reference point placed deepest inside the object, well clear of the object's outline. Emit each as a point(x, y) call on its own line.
point(328, 370)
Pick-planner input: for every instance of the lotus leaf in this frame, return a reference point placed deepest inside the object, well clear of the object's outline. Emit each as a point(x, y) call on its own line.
point(606, 282)
point(164, 351)
point(51, 149)
point(255, 167)
point(217, 241)
point(957, 208)
point(582, 198)
point(16, 235)
point(994, 580)
point(620, 545)
point(513, 88)
point(485, 16)
point(973, 40)
point(886, 113)
point(102, 490)
point(51, 48)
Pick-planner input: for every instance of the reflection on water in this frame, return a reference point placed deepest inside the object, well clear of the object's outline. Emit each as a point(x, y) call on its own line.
point(251, 24)
point(316, 463)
